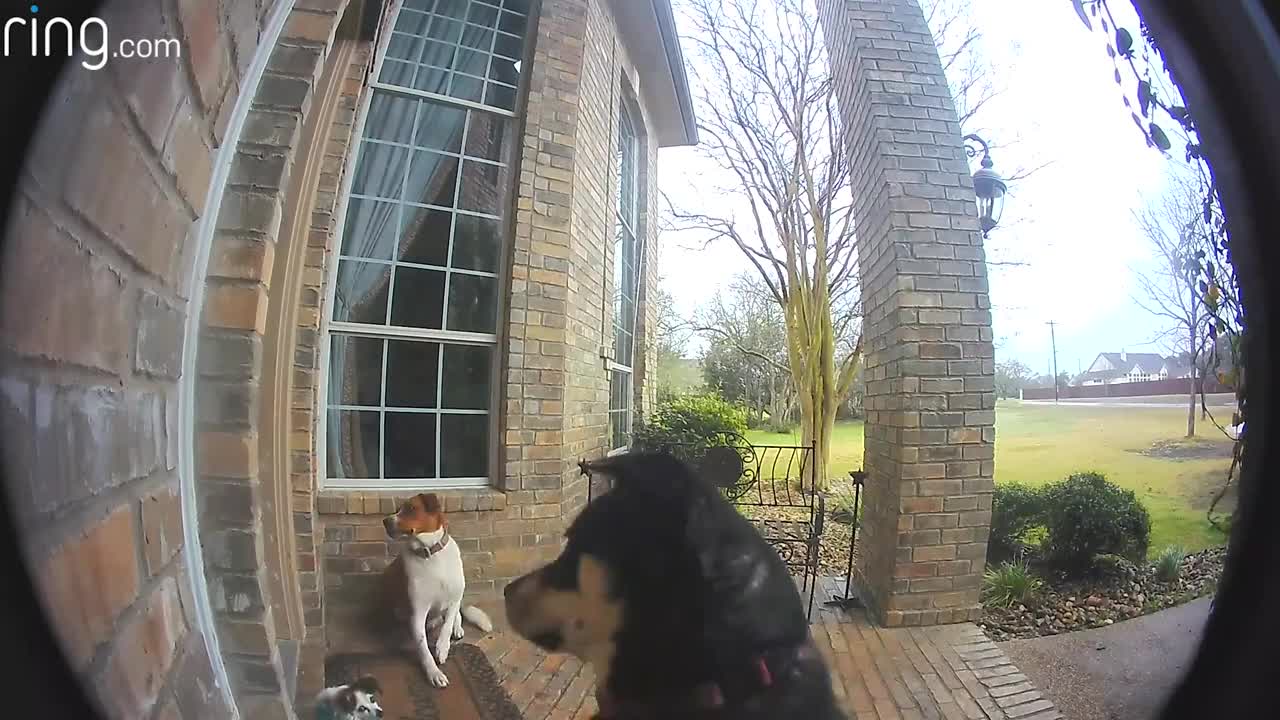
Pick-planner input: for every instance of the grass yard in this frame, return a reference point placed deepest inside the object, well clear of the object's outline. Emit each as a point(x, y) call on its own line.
point(1137, 448)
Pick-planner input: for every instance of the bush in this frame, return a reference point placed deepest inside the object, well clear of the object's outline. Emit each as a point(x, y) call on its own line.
point(1086, 516)
point(1016, 510)
point(1009, 583)
point(1169, 563)
point(689, 420)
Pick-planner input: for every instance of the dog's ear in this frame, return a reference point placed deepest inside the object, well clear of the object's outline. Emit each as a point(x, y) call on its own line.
point(367, 684)
point(431, 503)
point(346, 700)
point(653, 473)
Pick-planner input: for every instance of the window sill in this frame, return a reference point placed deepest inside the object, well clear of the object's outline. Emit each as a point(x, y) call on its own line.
point(385, 502)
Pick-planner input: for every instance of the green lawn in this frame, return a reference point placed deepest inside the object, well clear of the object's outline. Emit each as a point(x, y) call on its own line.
point(1036, 444)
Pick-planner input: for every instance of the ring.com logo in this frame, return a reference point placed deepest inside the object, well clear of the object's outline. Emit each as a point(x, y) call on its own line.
point(46, 37)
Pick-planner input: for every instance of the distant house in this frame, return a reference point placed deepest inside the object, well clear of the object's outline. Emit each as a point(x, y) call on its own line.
point(1111, 368)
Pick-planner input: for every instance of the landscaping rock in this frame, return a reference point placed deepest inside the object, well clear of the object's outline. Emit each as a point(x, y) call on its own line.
point(1122, 591)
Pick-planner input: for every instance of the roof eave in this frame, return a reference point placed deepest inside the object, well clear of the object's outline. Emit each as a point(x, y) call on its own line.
point(675, 64)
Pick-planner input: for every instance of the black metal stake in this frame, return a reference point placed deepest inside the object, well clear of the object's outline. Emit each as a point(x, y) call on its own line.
point(850, 600)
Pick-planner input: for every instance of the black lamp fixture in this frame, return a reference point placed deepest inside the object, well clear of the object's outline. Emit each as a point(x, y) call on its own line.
point(988, 186)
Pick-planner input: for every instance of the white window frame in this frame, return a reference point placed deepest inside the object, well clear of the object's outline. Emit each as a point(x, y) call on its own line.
point(328, 326)
point(632, 119)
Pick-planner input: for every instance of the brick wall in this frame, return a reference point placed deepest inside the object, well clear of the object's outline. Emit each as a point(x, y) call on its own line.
point(555, 387)
point(111, 204)
point(95, 299)
point(927, 322)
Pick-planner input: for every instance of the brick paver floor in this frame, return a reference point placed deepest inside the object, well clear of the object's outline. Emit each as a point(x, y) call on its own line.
point(948, 672)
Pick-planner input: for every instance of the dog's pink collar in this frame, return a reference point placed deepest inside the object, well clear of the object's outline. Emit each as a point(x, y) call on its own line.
point(707, 696)
point(432, 549)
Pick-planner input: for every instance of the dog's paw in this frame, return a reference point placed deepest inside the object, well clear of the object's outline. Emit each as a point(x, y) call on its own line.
point(437, 677)
point(442, 650)
point(458, 632)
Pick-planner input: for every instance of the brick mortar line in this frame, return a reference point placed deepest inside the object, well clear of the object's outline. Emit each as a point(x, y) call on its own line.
point(51, 529)
point(86, 237)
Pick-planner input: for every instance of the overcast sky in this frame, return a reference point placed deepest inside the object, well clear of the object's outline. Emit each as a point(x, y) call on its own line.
point(1071, 223)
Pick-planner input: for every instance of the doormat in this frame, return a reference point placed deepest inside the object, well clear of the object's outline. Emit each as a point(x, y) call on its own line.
point(474, 692)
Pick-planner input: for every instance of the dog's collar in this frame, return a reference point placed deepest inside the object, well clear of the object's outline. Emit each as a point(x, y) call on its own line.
point(755, 675)
point(429, 550)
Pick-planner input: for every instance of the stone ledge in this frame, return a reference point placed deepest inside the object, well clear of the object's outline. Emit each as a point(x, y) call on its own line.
point(383, 502)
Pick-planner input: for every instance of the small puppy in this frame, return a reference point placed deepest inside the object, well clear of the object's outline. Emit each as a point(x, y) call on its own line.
point(681, 607)
point(357, 701)
point(426, 582)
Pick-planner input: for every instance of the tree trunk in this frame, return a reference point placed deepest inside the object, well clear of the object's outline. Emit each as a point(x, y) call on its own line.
point(1191, 401)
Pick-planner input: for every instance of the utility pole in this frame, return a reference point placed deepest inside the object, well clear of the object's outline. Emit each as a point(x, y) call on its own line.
point(1054, 340)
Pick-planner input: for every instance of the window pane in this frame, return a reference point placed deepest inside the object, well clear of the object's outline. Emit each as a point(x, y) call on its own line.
point(369, 230)
point(425, 237)
point(521, 6)
point(619, 408)
point(404, 47)
point(380, 172)
point(352, 439)
point(485, 15)
point(512, 22)
point(390, 118)
point(472, 303)
point(504, 70)
point(622, 347)
point(465, 87)
point(445, 30)
point(476, 242)
point(433, 178)
point(410, 445)
point(355, 371)
point(411, 22)
point(508, 46)
point(432, 80)
point(419, 298)
point(361, 292)
point(440, 127)
point(477, 38)
point(438, 54)
point(465, 385)
point(501, 96)
point(472, 62)
point(423, 5)
point(452, 8)
point(464, 446)
point(482, 185)
point(412, 369)
point(395, 72)
point(487, 136)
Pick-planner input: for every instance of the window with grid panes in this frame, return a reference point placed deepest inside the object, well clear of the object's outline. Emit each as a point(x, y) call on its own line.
point(626, 270)
point(413, 332)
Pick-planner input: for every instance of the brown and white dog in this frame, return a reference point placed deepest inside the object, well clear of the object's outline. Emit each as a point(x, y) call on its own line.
point(426, 582)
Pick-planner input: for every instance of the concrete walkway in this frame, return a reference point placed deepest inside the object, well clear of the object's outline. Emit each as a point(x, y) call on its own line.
point(1121, 672)
point(950, 672)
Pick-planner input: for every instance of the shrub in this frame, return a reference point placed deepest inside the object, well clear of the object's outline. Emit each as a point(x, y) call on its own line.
point(1016, 510)
point(1169, 563)
point(1086, 516)
point(1009, 583)
point(689, 420)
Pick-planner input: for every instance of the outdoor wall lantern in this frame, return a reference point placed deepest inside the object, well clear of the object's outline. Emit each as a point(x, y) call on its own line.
point(988, 186)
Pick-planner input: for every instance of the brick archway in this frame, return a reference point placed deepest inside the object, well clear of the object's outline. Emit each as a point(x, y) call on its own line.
point(929, 365)
point(256, 532)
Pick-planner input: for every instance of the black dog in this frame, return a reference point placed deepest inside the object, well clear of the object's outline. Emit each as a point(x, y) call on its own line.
point(678, 603)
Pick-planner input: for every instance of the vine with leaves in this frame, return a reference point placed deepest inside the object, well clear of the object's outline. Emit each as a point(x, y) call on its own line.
point(1157, 104)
